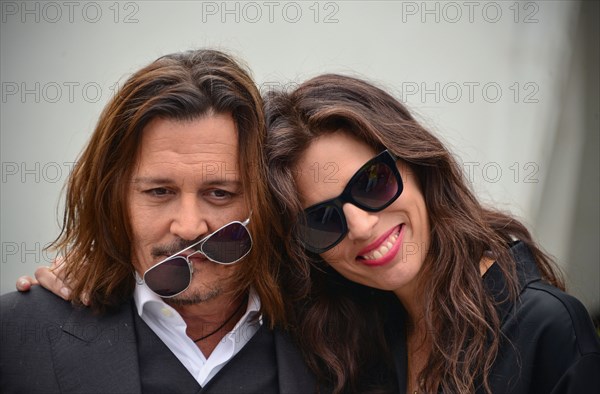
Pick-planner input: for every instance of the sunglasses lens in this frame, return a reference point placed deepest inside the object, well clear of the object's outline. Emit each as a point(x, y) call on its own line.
point(321, 227)
point(229, 244)
point(375, 186)
point(169, 278)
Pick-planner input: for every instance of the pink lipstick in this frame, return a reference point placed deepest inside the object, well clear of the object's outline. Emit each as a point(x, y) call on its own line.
point(384, 249)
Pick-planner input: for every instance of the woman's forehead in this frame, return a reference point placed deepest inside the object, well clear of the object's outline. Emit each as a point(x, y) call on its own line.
point(327, 165)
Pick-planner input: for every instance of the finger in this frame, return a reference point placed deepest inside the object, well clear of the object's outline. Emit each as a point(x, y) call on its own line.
point(58, 270)
point(49, 279)
point(85, 298)
point(25, 282)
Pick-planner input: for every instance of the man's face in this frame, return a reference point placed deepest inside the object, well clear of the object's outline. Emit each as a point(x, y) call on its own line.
point(186, 185)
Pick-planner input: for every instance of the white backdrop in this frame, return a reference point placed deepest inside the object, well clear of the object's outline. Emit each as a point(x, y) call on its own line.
point(489, 77)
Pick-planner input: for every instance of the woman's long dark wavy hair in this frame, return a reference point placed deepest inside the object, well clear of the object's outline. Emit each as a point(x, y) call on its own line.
point(463, 327)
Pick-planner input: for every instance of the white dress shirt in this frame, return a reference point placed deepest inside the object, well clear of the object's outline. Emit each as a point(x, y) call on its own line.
point(168, 324)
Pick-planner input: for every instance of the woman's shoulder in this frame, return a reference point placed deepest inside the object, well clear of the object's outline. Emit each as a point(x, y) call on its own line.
point(541, 312)
point(548, 342)
point(557, 314)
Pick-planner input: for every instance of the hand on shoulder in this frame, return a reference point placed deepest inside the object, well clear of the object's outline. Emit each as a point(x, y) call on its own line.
point(51, 278)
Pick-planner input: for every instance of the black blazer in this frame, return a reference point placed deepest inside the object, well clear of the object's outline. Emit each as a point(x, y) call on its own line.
point(550, 344)
point(49, 346)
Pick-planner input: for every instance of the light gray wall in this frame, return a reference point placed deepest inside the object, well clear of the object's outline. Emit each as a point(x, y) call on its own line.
point(567, 219)
point(491, 78)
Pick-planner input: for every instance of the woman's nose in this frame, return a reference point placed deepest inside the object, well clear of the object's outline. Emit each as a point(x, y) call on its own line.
point(361, 224)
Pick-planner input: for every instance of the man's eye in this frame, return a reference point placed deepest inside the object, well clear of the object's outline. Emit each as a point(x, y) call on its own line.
point(221, 194)
point(159, 191)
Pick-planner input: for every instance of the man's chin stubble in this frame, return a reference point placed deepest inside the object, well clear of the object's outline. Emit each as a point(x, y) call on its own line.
point(194, 298)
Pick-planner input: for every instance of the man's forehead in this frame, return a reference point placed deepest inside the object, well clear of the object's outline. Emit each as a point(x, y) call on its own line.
point(209, 143)
point(207, 134)
point(205, 171)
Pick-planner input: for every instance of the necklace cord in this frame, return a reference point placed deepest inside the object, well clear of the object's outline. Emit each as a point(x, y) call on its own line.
point(223, 324)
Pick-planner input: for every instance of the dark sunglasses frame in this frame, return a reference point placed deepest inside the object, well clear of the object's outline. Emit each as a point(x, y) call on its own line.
point(385, 157)
point(198, 246)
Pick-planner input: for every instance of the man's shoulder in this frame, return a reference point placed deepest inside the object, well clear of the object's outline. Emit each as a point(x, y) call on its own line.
point(50, 345)
point(37, 303)
point(41, 304)
point(39, 316)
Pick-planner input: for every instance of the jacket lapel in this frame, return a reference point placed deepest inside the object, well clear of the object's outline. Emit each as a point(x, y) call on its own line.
point(495, 282)
point(97, 353)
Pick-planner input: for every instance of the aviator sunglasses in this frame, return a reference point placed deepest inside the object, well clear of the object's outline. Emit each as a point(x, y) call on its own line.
point(375, 186)
point(172, 276)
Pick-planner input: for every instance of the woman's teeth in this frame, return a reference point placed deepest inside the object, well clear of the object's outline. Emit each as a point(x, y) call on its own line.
point(383, 249)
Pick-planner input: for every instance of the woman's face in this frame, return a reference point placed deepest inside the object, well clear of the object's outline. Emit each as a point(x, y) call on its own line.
point(384, 249)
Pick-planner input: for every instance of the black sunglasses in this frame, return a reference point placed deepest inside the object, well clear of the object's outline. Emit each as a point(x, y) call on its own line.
point(372, 188)
point(172, 276)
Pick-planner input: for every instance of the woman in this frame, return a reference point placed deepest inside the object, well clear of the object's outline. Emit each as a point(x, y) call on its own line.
point(377, 200)
point(398, 280)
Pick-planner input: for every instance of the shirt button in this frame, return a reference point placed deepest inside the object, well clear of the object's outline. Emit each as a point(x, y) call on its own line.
point(166, 312)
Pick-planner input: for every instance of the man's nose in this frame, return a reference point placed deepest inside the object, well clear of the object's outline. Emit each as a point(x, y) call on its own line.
point(189, 221)
point(361, 224)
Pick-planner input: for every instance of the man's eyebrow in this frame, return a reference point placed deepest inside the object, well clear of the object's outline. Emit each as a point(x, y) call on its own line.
point(166, 181)
point(150, 180)
point(224, 182)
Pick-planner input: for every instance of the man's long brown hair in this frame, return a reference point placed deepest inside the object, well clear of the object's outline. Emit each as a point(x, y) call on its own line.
point(341, 325)
point(96, 237)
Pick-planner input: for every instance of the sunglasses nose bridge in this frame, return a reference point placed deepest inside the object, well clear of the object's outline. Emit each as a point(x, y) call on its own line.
point(187, 258)
point(199, 250)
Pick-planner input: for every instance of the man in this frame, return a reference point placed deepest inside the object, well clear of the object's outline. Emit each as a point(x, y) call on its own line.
point(173, 168)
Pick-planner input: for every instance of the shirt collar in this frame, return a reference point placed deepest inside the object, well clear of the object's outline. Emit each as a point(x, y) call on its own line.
point(143, 297)
point(526, 270)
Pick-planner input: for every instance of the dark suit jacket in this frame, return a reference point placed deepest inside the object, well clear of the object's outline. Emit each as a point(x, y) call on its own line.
point(49, 346)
